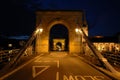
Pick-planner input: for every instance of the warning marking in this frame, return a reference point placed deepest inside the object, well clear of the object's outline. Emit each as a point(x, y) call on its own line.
point(45, 67)
point(79, 77)
point(36, 73)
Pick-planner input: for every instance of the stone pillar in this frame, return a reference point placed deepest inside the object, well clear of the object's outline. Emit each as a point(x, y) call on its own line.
point(75, 42)
point(37, 43)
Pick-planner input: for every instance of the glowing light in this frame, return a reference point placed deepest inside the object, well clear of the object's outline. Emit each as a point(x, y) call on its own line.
point(99, 36)
point(76, 30)
point(39, 30)
point(9, 45)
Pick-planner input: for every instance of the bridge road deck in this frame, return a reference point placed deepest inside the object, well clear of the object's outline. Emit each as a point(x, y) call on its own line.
point(56, 66)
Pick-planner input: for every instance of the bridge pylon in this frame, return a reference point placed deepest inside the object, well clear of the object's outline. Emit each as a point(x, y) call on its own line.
point(72, 42)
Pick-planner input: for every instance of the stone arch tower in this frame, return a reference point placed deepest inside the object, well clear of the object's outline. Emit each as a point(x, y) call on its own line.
point(47, 19)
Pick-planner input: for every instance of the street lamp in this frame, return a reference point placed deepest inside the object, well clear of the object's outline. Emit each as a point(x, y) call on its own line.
point(78, 30)
point(39, 30)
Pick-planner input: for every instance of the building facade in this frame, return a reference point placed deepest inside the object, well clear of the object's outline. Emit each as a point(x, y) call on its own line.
point(106, 44)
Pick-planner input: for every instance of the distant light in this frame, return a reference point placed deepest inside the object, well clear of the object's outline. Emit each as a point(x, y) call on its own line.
point(9, 45)
point(99, 36)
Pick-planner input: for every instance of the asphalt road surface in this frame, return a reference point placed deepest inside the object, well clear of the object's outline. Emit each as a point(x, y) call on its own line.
point(56, 66)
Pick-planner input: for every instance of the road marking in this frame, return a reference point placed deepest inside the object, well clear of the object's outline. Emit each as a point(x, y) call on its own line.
point(36, 73)
point(15, 70)
point(66, 78)
point(38, 60)
point(47, 61)
point(99, 77)
point(79, 77)
point(57, 76)
point(58, 63)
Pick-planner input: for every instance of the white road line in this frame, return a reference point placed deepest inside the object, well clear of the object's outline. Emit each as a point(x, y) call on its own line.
point(57, 76)
point(38, 60)
point(15, 70)
point(57, 61)
point(47, 61)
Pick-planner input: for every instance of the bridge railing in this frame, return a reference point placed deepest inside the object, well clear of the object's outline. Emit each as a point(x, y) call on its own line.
point(29, 43)
point(112, 58)
point(98, 54)
point(90, 56)
point(7, 55)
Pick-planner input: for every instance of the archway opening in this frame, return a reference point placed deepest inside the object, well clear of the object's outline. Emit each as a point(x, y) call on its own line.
point(58, 38)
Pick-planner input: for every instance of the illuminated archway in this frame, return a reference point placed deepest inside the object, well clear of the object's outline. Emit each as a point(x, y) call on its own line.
point(67, 19)
point(58, 35)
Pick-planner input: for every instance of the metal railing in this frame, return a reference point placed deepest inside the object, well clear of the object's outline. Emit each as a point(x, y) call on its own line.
point(7, 55)
point(112, 58)
point(98, 54)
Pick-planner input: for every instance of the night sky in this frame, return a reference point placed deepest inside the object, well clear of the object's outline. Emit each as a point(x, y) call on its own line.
point(18, 18)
